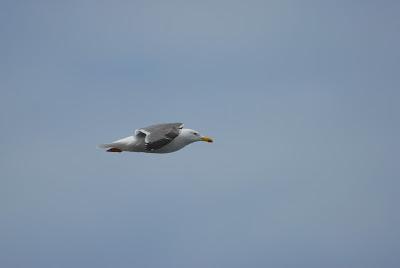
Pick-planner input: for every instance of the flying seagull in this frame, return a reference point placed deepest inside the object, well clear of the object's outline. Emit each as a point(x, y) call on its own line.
point(160, 138)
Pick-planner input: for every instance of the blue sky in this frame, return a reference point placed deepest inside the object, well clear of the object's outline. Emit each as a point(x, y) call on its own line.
point(302, 99)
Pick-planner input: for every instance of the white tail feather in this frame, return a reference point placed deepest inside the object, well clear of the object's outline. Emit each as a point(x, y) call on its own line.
point(105, 146)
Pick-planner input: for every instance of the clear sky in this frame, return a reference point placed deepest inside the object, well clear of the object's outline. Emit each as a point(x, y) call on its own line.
point(302, 98)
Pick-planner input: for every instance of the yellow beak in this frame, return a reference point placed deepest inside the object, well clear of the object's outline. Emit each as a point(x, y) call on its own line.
point(206, 139)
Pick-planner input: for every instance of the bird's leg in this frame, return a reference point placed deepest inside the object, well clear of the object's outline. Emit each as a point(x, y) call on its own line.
point(114, 150)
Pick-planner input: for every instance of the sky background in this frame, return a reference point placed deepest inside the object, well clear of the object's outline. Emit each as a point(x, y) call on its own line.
point(302, 98)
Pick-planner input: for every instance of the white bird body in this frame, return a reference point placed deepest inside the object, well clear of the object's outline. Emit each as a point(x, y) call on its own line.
point(140, 143)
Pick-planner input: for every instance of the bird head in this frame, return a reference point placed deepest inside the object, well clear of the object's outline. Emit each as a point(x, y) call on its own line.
point(193, 136)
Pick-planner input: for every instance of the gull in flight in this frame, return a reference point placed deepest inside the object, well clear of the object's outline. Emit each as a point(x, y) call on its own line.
point(160, 138)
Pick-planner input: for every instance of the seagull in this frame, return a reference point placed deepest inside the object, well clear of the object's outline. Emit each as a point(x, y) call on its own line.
point(159, 139)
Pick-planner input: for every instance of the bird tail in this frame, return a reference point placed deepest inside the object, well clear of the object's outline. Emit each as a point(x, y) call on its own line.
point(105, 146)
point(110, 148)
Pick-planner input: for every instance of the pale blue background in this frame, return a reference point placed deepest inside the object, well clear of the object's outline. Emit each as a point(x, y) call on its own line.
point(302, 98)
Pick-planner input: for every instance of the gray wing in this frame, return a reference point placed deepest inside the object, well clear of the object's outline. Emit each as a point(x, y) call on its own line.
point(159, 135)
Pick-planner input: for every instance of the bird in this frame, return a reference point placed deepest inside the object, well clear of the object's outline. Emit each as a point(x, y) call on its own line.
point(159, 139)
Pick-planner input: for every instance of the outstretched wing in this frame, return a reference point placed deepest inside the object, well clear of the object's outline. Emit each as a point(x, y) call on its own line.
point(157, 136)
